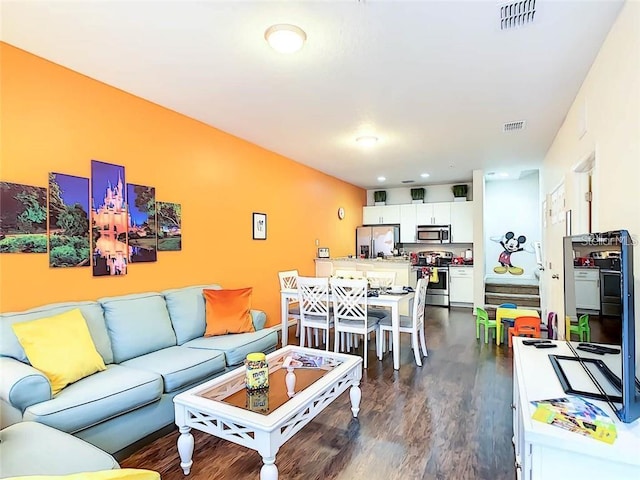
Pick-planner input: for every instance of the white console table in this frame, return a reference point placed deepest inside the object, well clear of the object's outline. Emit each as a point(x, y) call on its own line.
point(547, 452)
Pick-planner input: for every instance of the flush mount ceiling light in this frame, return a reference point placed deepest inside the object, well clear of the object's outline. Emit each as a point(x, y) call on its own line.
point(382, 179)
point(367, 140)
point(285, 38)
point(424, 175)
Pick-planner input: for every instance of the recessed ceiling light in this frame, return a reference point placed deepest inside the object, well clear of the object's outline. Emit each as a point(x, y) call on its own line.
point(285, 38)
point(424, 175)
point(382, 179)
point(367, 140)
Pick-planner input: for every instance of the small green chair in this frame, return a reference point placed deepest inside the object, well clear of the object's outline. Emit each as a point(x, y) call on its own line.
point(482, 318)
point(582, 328)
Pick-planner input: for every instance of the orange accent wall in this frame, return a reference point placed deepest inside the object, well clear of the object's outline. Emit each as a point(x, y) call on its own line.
point(57, 120)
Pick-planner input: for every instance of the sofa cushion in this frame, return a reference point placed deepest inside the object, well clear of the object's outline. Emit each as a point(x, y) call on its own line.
point(31, 448)
point(237, 346)
point(137, 324)
point(91, 311)
point(61, 347)
point(179, 366)
point(228, 311)
point(187, 311)
point(97, 398)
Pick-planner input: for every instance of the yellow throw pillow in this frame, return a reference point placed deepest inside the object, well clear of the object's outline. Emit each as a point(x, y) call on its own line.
point(61, 347)
point(117, 474)
point(228, 311)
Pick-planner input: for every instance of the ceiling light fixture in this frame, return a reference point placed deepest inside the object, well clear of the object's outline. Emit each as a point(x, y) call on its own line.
point(424, 175)
point(285, 38)
point(382, 179)
point(367, 140)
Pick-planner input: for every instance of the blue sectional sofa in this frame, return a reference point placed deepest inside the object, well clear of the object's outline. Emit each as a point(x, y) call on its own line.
point(153, 347)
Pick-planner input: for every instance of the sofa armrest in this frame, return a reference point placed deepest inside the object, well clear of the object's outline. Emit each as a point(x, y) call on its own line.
point(21, 385)
point(259, 318)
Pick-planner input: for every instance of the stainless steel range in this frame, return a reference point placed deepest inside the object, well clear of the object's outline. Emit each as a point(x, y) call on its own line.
point(426, 262)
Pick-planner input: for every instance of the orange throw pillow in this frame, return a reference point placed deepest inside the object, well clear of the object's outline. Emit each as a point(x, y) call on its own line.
point(228, 311)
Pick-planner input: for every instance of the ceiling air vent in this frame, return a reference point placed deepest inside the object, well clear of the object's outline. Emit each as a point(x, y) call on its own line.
point(516, 14)
point(407, 181)
point(512, 126)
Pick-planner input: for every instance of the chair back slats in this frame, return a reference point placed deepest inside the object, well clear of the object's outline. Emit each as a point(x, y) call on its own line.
point(524, 325)
point(381, 279)
point(313, 297)
point(349, 299)
point(288, 279)
point(348, 274)
point(420, 302)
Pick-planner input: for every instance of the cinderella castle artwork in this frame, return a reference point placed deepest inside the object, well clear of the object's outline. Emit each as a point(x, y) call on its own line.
point(110, 222)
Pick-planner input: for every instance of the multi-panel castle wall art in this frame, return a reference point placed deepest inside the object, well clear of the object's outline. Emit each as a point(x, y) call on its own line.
point(114, 225)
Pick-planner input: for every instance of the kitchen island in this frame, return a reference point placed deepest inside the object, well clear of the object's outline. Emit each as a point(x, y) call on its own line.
point(401, 266)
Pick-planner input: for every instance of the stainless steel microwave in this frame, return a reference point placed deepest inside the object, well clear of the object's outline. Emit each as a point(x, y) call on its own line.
point(433, 234)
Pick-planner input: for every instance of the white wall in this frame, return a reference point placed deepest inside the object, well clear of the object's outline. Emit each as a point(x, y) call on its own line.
point(512, 206)
point(608, 108)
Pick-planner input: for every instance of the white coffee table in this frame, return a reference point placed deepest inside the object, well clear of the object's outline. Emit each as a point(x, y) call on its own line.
point(263, 422)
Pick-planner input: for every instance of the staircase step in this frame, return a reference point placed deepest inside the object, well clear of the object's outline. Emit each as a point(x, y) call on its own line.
point(519, 299)
point(511, 288)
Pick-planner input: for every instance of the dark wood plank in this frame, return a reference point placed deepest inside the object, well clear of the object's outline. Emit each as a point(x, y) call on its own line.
point(450, 419)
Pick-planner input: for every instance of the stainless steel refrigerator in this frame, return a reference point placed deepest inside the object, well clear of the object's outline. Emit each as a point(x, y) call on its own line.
point(378, 240)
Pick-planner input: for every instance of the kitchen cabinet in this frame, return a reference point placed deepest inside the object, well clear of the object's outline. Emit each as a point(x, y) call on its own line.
point(462, 222)
point(433, 213)
point(324, 268)
point(587, 288)
point(408, 223)
point(461, 286)
point(545, 452)
point(384, 214)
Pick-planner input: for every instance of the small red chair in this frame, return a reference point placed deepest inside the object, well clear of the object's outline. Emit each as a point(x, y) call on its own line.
point(525, 326)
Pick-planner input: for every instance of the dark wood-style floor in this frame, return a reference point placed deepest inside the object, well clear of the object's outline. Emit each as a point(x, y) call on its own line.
point(450, 419)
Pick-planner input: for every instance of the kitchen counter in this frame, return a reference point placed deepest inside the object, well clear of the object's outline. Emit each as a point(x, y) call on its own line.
point(393, 260)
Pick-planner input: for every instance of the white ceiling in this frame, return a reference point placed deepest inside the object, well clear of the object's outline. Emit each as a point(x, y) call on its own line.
point(434, 80)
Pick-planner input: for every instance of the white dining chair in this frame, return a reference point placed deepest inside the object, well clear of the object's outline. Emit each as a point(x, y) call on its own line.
point(289, 281)
point(409, 324)
point(315, 308)
point(348, 274)
point(350, 312)
point(378, 279)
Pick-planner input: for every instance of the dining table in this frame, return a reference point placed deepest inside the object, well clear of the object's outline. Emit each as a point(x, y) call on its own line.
point(511, 313)
point(387, 300)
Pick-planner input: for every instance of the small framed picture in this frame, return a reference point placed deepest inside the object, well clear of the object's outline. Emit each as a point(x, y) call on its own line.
point(323, 252)
point(259, 226)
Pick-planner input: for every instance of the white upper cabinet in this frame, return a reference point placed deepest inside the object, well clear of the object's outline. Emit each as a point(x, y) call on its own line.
point(433, 213)
point(462, 222)
point(408, 223)
point(384, 214)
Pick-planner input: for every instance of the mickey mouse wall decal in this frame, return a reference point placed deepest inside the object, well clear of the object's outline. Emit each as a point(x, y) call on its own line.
point(510, 245)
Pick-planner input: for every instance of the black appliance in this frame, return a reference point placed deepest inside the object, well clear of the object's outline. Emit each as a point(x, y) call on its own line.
point(437, 292)
point(610, 293)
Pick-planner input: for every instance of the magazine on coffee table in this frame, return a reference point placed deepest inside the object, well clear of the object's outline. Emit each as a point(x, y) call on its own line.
point(303, 360)
point(576, 415)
